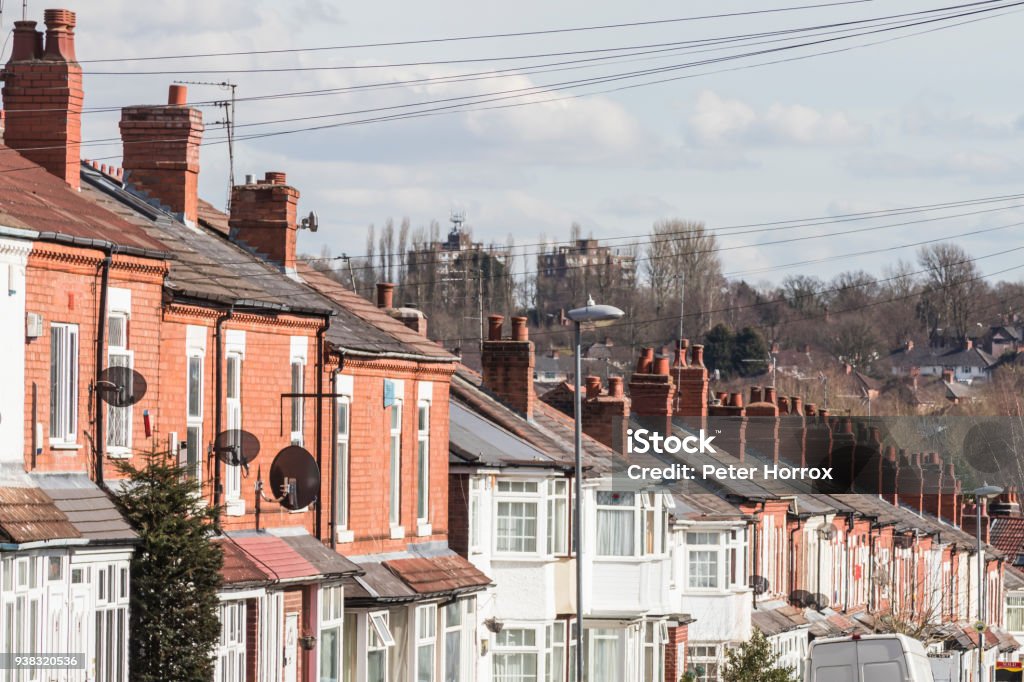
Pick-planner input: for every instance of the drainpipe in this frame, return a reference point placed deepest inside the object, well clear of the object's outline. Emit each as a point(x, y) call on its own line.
point(100, 442)
point(218, 412)
point(318, 519)
point(332, 524)
point(871, 569)
point(792, 558)
point(757, 554)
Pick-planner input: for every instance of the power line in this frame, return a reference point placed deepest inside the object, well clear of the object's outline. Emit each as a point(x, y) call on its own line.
point(486, 36)
point(360, 67)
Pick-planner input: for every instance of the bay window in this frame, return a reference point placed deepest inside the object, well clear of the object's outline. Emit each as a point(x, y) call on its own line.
point(554, 652)
point(459, 640)
point(378, 641)
point(607, 649)
point(230, 654)
point(655, 639)
point(702, 662)
point(703, 559)
point(517, 517)
point(426, 642)
point(63, 384)
point(558, 516)
point(615, 523)
point(332, 614)
point(515, 655)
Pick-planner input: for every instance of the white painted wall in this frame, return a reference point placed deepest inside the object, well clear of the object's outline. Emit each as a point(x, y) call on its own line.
point(13, 259)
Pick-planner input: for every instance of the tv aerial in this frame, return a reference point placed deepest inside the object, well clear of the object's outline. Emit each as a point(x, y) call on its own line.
point(236, 447)
point(294, 479)
point(121, 386)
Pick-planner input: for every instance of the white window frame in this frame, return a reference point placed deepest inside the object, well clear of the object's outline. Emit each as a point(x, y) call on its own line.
point(332, 618)
point(64, 385)
point(604, 509)
point(555, 642)
point(111, 592)
point(502, 650)
point(233, 473)
point(423, 467)
point(298, 404)
point(558, 516)
point(465, 631)
point(343, 388)
point(231, 647)
point(395, 465)
point(654, 639)
point(515, 494)
point(271, 635)
point(477, 490)
point(119, 445)
point(378, 639)
point(194, 420)
point(698, 654)
point(426, 639)
point(704, 548)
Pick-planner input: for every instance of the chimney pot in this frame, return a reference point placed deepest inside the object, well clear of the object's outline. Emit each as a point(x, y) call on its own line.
point(645, 362)
point(755, 394)
point(385, 295)
point(250, 179)
point(783, 405)
point(593, 387)
point(27, 43)
point(275, 178)
point(769, 395)
point(736, 399)
point(615, 387)
point(519, 329)
point(661, 365)
point(698, 355)
point(494, 323)
point(60, 35)
point(177, 95)
point(796, 405)
point(810, 409)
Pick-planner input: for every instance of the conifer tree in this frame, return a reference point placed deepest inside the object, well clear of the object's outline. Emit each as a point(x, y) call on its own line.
point(175, 573)
point(754, 661)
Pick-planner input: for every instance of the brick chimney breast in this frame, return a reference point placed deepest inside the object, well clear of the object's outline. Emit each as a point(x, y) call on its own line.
point(161, 152)
point(43, 96)
point(264, 218)
point(508, 365)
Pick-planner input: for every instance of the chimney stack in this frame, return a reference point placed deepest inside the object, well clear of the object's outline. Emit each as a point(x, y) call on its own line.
point(605, 414)
point(508, 365)
point(263, 217)
point(43, 95)
point(651, 390)
point(161, 152)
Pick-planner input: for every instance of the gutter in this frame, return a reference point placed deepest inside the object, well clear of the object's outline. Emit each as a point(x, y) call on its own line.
point(42, 544)
point(100, 442)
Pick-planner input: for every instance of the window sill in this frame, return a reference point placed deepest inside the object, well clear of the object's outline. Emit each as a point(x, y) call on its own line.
point(235, 508)
point(345, 536)
point(423, 529)
point(397, 532)
point(65, 446)
point(119, 454)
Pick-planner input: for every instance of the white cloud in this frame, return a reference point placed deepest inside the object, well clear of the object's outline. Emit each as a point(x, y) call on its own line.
point(976, 166)
point(720, 121)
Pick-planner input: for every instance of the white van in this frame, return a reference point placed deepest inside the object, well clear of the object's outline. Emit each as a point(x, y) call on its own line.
point(867, 658)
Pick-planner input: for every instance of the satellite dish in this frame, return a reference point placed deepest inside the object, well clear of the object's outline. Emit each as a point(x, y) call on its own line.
point(311, 222)
point(801, 598)
point(236, 447)
point(121, 386)
point(759, 584)
point(295, 478)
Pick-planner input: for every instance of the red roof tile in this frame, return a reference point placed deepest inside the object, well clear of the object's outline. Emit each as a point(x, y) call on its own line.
point(33, 199)
point(238, 567)
point(30, 515)
point(1007, 535)
point(429, 575)
point(275, 557)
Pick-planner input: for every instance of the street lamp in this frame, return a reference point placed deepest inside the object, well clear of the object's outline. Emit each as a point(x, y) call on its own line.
point(589, 313)
point(983, 493)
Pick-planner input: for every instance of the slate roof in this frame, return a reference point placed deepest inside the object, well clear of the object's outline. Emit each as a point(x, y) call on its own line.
point(88, 507)
point(28, 514)
point(476, 440)
point(424, 571)
point(325, 560)
point(926, 356)
point(209, 267)
point(31, 198)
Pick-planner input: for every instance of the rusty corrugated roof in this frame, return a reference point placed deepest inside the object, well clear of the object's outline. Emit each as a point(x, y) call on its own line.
point(30, 515)
point(431, 575)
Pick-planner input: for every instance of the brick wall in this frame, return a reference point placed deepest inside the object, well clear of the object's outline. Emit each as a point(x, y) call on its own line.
point(263, 217)
point(63, 285)
point(458, 513)
point(508, 365)
point(675, 652)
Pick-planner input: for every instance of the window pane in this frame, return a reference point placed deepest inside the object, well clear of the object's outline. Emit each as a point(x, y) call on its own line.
point(517, 527)
point(615, 532)
point(425, 663)
point(423, 480)
point(330, 655)
point(195, 387)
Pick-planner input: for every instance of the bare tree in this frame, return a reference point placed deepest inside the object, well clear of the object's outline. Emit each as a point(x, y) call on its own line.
point(952, 287)
point(682, 260)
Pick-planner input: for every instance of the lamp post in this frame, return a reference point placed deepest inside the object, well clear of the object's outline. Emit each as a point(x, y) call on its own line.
point(983, 493)
point(589, 313)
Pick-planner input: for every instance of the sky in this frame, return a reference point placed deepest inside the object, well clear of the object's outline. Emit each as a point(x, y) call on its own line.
point(926, 119)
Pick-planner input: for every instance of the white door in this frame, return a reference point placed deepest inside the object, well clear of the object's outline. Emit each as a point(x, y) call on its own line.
point(291, 641)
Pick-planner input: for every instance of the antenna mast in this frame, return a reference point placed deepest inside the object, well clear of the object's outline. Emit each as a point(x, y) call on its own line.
point(228, 122)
